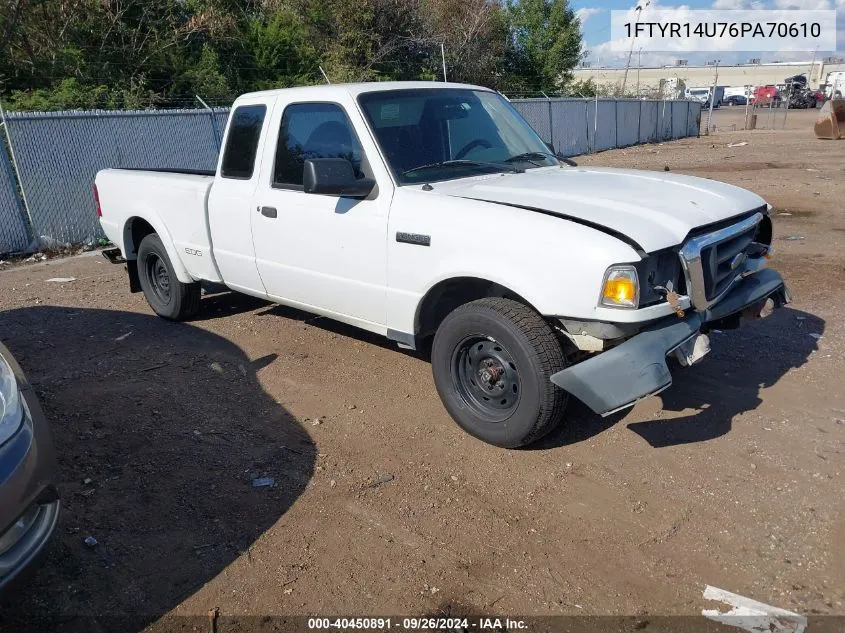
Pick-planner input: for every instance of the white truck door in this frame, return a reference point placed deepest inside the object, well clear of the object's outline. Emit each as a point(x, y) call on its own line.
point(230, 201)
point(323, 253)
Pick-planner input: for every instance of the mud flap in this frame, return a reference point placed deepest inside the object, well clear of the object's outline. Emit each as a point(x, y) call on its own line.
point(134, 278)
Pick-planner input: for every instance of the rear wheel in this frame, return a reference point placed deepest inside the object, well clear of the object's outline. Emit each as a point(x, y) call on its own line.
point(492, 361)
point(167, 296)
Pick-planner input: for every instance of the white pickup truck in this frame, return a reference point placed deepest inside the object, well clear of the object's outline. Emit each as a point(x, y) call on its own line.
point(432, 213)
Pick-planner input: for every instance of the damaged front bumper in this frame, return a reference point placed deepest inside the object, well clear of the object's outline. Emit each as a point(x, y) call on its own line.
point(636, 369)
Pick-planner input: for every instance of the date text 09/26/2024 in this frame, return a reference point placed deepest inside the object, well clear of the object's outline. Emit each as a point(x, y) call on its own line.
point(418, 624)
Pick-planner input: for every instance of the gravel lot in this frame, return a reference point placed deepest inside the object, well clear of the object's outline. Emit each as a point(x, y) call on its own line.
point(381, 505)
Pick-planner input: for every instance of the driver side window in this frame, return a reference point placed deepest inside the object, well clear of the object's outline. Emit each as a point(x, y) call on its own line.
point(471, 133)
point(313, 130)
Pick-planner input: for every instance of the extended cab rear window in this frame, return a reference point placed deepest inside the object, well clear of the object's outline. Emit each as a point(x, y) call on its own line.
point(242, 143)
point(313, 130)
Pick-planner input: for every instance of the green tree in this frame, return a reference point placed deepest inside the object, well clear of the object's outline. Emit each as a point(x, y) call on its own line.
point(474, 34)
point(278, 51)
point(545, 43)
point(59, 54)
point(205, 78)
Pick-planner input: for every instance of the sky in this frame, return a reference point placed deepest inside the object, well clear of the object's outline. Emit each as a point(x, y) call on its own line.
point(595, 26)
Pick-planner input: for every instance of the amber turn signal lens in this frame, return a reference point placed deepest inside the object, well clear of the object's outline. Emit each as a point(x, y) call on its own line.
point(621, 287)
point(620, 291)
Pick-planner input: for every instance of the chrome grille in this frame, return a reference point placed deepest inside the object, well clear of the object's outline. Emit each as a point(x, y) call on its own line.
point(713, 262)
point(721, 261)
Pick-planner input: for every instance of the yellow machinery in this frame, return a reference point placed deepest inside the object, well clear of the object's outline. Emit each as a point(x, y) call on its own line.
point(831, 121)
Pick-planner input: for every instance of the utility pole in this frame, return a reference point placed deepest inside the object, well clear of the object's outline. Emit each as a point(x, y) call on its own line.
point(639, 10)
point(747, 99)
point(596, 112)
point(812, 65)
point(789, 91)
point(713, 97)
point(639, 65)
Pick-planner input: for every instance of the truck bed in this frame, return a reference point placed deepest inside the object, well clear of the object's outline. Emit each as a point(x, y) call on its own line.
point(171, 170)
point(174, 202)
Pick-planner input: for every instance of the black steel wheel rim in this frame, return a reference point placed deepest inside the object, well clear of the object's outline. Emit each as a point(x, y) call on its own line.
point(486, 377)
point(159, 277)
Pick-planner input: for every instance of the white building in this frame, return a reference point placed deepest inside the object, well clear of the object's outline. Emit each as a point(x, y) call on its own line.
point(649, 78)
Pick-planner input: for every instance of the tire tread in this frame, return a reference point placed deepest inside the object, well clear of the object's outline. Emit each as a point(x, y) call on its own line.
point(546, 349)
point(186, 302)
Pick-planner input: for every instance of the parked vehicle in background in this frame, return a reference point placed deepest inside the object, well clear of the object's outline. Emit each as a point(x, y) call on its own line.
point(834, 85)
point(704, 94)
point(796, 92)
point(29, 501)
point(765, 96)
point(737, 95)
point(732, 91)
point(432, 214)
point(673, 88)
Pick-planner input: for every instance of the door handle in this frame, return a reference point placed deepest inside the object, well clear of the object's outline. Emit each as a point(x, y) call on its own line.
point(268, 212)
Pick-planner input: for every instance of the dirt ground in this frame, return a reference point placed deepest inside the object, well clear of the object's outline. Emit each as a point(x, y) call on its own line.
point(381, 505)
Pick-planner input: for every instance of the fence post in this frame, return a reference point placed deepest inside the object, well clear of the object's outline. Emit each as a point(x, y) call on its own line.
point(16, 198)
point(587, 125)
point(640, 122)
point(689, 125)
point(616, 126)
point(551, 125)
point(214, 127)
point(30, 225)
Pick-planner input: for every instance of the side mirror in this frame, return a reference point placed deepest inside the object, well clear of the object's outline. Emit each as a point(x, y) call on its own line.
point(334, 177)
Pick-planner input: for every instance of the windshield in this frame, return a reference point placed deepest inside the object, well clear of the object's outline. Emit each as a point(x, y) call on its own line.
point(434, 134)
point(700, 93)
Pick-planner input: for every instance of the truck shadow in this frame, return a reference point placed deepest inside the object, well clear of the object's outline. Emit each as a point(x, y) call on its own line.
point(160, 430)
point(744, 362)
point(224, 304)
point(723, 386)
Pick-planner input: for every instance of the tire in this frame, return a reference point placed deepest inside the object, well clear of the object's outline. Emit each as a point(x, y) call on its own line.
point(503, 341)
point(167, 296)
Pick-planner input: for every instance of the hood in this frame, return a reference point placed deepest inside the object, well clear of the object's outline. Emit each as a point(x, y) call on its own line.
point(653, 209)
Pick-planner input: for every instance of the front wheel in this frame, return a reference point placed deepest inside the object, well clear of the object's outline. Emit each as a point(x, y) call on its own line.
point(167, 296)
point(492, 361)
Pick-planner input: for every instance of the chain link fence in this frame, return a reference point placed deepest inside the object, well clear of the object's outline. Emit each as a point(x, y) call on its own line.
point(58, 154)
point(583, 126)
point(14, 227)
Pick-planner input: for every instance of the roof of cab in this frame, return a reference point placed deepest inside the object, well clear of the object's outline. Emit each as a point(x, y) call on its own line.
point(356, 89)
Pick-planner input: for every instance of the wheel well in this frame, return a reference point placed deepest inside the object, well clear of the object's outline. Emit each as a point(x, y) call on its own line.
point(136, 230)
point(447, 295)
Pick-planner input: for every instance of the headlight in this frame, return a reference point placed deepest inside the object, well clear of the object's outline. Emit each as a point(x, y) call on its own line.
point(621, 287)
point(11, 408)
